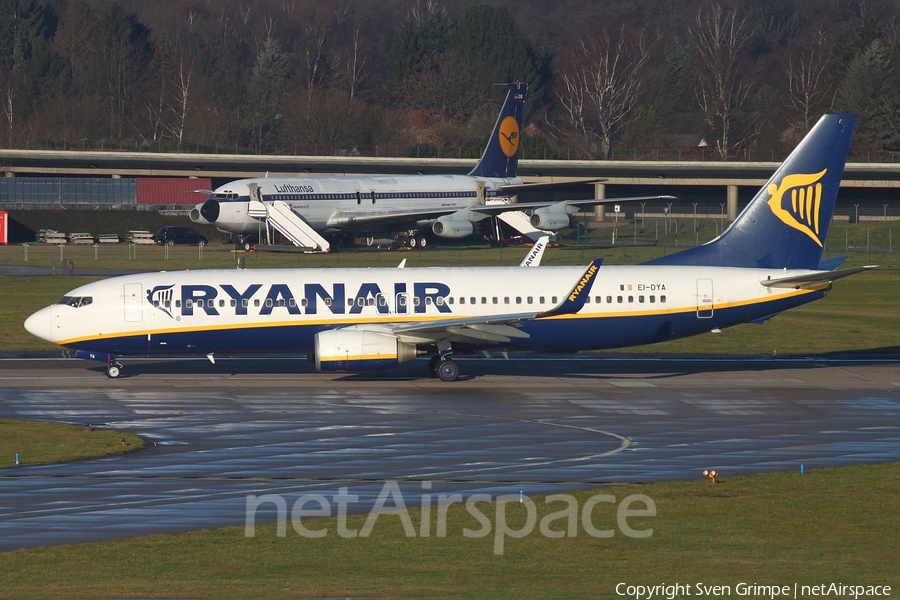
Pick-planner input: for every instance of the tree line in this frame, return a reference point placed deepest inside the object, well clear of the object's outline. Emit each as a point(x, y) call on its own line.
point(616, 79)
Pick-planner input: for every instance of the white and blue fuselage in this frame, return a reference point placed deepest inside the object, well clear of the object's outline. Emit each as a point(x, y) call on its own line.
point(282, 310)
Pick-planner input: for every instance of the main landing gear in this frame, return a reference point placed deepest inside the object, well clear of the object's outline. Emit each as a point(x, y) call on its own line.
point(443, 367)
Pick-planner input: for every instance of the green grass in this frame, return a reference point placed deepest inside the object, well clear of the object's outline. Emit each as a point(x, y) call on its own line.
point(39, 443)
point(831, 525)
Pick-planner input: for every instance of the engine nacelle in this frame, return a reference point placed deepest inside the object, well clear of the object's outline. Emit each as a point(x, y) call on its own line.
point(450, 229)
point(551, 220)
point(360, 350)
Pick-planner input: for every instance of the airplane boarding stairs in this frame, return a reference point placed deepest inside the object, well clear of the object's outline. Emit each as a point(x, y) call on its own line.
point(291, 225)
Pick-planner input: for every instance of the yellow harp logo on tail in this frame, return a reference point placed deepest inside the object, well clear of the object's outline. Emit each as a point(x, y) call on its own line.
point(797, 200)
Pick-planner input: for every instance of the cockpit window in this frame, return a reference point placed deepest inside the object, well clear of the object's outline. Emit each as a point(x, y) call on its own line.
point(225, 196)
point(76, 301)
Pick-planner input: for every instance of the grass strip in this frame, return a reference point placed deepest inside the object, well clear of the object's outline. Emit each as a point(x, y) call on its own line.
point(829, 525)
point(38, 443)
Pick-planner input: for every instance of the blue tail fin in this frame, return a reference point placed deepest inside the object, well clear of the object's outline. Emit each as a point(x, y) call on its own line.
point(786, 223)
point(501, 155)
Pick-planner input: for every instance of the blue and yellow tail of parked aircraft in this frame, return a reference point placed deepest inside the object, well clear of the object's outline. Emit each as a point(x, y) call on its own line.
point(501, 155)
point(786, 223)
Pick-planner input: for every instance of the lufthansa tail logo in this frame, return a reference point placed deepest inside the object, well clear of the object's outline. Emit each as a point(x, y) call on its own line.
point(797, 200)
point(509, 136)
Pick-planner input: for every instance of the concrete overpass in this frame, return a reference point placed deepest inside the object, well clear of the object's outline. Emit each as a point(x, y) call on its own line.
point(864, 182)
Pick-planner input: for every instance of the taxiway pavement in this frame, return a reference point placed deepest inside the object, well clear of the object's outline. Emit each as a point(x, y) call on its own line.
point(220, 433)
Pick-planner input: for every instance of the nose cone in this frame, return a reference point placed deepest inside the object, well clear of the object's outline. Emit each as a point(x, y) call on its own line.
point(210, 210)
point(38, 324)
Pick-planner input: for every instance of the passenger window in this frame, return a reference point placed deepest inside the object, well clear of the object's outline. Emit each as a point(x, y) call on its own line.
point(630, 298)
point(619, 299)
point(450, 300)
point(245, 303)
point(496, 300)
point(256, 303)
point(439, 301)
point(506, 300)
point(349, 301)
point(188, 303)
point(472, 299)
point(518, 299)
point(268, 303)
point(221, 303)
point(598, 299)
point(462, 300)
point(303, 302)
point(427, 300)
point(541, 300)
point(641, 299)
point(652, 299)
point(530, 300)
point(609, 299)
point(417, 301)
point(484, 299)
point(327, 302)
point(662, 298)
point(402, 300)
point(178, 304)
point(371, 302)
point(587, 300)
point(292, 303)
point(156, 304)
point(553, 300)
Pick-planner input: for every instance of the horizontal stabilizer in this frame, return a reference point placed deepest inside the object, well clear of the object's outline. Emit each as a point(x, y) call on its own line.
point(815, 278)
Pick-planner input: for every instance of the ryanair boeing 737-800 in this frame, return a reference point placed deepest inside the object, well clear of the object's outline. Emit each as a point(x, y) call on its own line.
point(768, 261)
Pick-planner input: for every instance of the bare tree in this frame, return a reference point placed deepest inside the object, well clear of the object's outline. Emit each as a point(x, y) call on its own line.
point(721, 91)
point(355, 62)
point(603, 83)
point(804, 72)
point(179, 106)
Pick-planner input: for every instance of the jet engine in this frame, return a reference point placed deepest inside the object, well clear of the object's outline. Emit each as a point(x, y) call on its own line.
point(551, 220)
point(360, 350)
point(451, 229)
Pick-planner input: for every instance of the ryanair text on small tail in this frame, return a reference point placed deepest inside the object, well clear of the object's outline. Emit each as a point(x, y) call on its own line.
point(805, 201)
point(592, 270)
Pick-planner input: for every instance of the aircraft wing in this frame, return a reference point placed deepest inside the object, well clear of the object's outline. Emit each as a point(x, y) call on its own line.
point(814, 279)
point(515, 188)
point(493, 209)
point(495, 328)
point(342, 219)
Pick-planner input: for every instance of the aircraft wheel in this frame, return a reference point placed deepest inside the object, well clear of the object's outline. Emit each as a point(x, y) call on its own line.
point(113, 371)
point(247, 246)
point(432, 365)
point(170, 243)
point(448, 370)
point(423, 242)
point(412, 242)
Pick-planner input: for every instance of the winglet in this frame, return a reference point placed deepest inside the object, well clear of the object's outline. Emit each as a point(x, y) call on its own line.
point(533, 258)
point(575, 299)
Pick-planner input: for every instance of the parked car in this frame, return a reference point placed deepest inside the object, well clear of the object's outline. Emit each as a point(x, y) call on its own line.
point(169, 236)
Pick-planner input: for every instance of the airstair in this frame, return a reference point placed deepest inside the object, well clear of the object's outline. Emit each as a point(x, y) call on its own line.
point(522, 223)
point(291, 225)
